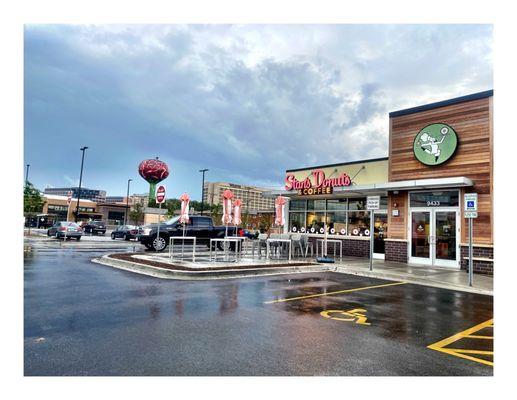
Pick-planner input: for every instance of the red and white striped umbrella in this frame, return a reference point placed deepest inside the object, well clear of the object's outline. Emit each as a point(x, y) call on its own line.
point(280, 203)
point(237, 204)
point(227, 207)
point(185, 201)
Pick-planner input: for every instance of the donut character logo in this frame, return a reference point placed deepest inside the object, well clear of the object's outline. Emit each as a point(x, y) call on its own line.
point(435, 144)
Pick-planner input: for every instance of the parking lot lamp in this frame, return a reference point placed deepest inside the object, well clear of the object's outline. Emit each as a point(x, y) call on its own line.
point(127, 201)
point(27, 175)
point(83, 149)
point(203, 188)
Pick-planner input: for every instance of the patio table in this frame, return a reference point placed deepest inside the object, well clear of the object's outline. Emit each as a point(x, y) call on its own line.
point(335, 241)
point(238, 248)
point(182, 238)
point(275, 240)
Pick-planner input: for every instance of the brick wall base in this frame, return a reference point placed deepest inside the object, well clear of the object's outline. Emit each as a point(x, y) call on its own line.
point(480, 267)
point(396, 251)
point(351, 247)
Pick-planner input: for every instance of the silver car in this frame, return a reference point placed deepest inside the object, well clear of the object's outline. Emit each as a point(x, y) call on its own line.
point(62, 228)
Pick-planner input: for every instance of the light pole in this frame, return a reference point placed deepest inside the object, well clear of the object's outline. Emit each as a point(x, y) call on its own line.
point(83, 149)
point(127, 201)
point(203, 188)
point(27, 175)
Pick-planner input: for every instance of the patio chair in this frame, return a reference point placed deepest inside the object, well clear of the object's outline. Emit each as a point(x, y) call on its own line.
point(284, 246)
point(274, 246)
point(307, 244)
point(297, 243)
point(261, 243)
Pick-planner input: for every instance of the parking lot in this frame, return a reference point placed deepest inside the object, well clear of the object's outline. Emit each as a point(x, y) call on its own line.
point(85, 319)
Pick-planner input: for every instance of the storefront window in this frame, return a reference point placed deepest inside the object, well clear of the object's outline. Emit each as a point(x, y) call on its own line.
point(434, 199)
point(297, 205)
point(337, 204)
point(357, 204)
point(384, 203)
point(307, 214)
point(315, 221)
point(296, 221)
point(358, 223)
point(59, 211)
point(337, 220)
point(316, 205)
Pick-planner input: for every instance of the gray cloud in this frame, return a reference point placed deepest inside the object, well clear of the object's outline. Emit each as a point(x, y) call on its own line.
point(246, 101)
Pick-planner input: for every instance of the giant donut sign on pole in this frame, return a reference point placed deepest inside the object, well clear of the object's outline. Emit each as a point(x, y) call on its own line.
point(153, 171)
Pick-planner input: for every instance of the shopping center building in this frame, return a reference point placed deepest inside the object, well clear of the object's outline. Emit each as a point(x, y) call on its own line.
point(436, 153)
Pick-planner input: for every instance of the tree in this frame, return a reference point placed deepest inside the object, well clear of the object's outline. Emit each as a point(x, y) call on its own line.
point(172, 205)
point(216, 211)
point(137, 213)
point(33, 202)
point(196, 205)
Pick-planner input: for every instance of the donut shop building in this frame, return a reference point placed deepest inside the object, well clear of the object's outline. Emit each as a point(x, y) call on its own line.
point(436, 153)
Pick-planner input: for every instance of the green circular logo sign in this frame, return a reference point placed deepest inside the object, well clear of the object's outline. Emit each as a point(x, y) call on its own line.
point(435, 144)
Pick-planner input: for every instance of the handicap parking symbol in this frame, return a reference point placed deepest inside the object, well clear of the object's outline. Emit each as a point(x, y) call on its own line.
point(470, 204)
point(356, 315)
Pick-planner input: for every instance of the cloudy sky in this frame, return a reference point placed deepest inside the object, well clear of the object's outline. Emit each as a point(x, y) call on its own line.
point(247, 102)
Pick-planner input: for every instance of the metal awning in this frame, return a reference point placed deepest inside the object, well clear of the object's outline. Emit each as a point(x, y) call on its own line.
point(383, 188)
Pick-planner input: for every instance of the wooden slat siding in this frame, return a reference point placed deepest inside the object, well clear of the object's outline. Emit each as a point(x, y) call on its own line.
point(472, 121)
point(397, 225)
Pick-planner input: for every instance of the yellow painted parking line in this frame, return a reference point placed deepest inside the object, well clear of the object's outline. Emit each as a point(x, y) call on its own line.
point(336, 292)
point(464, 353)
point(480, 337)
point(472, 351)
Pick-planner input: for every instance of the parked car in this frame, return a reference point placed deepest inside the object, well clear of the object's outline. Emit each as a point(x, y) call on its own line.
point(251, 235)
point(125, 232)
point(62, 228)
point(95, 227)
point(199, 226)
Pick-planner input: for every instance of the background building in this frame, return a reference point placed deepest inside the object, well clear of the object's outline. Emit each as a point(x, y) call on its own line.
point(252, 197)
point(88, 194)
point(56, 209)
point(142, 199)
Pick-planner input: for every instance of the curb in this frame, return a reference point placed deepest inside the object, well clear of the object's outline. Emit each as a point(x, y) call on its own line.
point(415, 281)
point(165, 273)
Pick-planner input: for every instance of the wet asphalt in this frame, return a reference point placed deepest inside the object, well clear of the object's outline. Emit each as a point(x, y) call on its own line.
point(83, 318)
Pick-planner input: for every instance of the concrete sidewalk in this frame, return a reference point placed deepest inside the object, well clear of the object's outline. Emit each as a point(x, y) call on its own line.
point(446, 278)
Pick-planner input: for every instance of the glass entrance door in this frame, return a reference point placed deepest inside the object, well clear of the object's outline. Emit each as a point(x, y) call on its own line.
point(434, 236)
point(445, 238)
point(421, 237)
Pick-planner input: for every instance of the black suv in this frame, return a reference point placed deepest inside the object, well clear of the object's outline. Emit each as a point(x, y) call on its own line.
point(199, 226)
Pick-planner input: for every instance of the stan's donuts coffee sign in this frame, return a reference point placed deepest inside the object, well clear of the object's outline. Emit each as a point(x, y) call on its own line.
point(316, 183)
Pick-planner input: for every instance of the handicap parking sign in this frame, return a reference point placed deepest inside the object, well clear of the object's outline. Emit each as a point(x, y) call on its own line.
point(471, 205)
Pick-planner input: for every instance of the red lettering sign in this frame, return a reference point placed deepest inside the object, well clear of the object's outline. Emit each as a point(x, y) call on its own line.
point(319, 181)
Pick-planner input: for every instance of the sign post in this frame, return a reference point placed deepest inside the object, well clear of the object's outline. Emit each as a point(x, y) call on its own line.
point(160, 198)
point(372, 203)
point(470, 211)
point(68, 200)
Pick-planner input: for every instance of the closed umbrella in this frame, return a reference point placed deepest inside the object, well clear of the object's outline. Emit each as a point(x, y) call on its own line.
point(185, 201)
point(280, 203)
point(227, 208)
point(237, 205)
